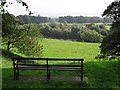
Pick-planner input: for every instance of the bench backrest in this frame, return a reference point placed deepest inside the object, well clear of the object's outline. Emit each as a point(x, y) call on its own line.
point(47, 59)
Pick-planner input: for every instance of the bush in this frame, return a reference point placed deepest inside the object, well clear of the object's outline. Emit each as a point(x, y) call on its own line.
point(90, 36)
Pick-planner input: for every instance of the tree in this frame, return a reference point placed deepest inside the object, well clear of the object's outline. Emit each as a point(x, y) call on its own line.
point(22, 38)
point(75, 33)
point(27, 42)
point(9, 23)
point(110, 46)
point(90, 36)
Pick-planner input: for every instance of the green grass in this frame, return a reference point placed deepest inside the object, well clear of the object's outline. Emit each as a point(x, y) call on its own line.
point(101, 74)
point(70, 49)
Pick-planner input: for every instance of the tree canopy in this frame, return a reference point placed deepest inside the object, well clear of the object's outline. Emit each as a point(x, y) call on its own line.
point(69, 19)
point(111, 43)
point(15, 36)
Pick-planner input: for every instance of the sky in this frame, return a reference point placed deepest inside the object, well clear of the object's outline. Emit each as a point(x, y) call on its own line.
point(56, 8)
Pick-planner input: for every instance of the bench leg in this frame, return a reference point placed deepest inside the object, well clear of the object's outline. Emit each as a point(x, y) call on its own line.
point(82, 74)
point(14, 75)
point(17, 75)
point(48, 75)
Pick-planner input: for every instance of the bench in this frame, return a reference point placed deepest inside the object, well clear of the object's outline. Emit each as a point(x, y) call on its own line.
point(21, 64)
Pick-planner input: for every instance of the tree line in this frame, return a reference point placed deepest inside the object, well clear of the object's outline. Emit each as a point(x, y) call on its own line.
point(82, 19)
point(87, 32)
point(25, 19)
point(69, 19)
point(74, 32)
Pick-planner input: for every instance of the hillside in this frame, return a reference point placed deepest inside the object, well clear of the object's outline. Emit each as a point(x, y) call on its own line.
point(70, 49)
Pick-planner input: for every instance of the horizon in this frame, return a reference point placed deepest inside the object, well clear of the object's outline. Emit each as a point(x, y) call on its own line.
point(58, 8)
point(59, 16)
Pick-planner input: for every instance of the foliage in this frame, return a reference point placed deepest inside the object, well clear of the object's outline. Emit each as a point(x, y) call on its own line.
point(90, 36)
point(69, 19)
point(111, 43)
point(27, 41)
point(83, 19)
point(22, 38)
point(9, 23)
point(33, 19)
point(73, 31)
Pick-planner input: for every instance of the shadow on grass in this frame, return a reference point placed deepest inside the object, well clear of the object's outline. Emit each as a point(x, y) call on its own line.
point(101, 74)
point(8, 81)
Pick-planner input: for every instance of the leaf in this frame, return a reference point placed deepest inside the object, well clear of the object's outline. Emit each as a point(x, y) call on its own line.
point(3, 3)
point(30, 13)
point(24, 4)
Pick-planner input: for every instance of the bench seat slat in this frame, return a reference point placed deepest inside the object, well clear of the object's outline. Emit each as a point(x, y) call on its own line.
point(65, 69)
point(31, 68)
point(59, 69)
point(64, 65)
point(49, 68)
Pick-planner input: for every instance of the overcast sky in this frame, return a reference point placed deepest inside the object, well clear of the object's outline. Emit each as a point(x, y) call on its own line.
point(55, 8)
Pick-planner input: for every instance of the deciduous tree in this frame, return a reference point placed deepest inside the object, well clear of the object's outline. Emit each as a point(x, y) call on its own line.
point(22, 38)
point(111, 43)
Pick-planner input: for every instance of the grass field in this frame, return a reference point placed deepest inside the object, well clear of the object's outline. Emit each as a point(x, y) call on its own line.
point(101, 74)
point(70, 49)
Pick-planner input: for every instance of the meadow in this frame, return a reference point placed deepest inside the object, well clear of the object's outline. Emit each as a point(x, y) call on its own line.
point(100, 73)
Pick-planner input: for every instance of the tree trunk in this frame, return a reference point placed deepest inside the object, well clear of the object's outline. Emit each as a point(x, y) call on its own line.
point(8, 47)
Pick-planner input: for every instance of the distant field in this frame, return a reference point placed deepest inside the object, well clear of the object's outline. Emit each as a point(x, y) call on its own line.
point(70, 49)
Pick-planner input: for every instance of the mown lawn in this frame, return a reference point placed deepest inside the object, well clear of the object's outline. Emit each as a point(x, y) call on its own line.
point(101, 74)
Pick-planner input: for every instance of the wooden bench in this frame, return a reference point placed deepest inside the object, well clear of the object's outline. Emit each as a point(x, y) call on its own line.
point(21, 64)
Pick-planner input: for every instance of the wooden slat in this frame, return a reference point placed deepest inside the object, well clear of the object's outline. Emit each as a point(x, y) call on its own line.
point(66, 65)
point(31, 64)
point(64, 68)
point(50, 59)
point(31, 68)
point(59, 69)
point(49, 68)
